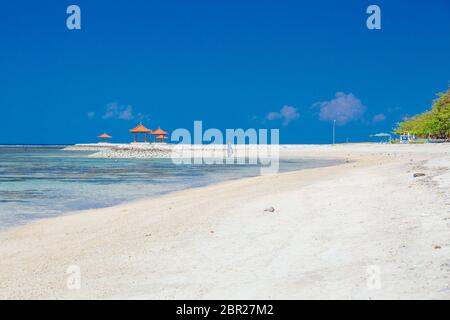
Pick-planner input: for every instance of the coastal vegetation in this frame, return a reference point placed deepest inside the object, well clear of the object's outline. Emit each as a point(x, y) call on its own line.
point(434, 123)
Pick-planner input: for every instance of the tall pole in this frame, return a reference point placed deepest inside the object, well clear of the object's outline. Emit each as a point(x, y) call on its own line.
point(334, 131)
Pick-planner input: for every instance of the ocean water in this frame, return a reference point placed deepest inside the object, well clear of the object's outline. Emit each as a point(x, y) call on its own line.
point(44, 181)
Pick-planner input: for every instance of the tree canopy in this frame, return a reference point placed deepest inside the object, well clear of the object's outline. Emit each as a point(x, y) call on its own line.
point(434, 122)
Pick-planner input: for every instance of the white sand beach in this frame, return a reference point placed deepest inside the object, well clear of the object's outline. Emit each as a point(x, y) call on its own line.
point(329, 228)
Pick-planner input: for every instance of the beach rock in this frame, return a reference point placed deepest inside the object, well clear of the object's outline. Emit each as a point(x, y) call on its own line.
point(418, 174)
point(270, 209)
point(436, 247)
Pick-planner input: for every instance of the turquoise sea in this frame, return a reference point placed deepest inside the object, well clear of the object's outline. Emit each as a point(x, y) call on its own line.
point(43, 181)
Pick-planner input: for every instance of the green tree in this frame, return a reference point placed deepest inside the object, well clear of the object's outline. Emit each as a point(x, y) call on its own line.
point(434, 122)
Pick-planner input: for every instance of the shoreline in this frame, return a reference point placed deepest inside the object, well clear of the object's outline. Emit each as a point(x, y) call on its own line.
point(166, 194)
point(175, 188)
point(198, 242)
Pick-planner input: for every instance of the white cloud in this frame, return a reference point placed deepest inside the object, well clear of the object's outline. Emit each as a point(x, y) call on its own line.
point(287, 114)
point(143, 117)
point(343, 108)
point(378, 118)
point(126, 114)
point(116, 111)
point(273, 116)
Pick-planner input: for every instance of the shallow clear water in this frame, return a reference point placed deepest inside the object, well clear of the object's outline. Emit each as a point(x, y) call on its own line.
point(39, 182)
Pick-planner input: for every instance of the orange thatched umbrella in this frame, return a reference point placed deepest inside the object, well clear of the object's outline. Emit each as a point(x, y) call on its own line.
point(159, 131)
point(140, 129)
point(161, 137)
point(104, 136)
point(159, 134)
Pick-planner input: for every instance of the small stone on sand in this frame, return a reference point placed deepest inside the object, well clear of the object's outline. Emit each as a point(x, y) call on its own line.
point(418, 174)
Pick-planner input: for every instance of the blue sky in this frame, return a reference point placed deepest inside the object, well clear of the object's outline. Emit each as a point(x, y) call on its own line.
point(293, 65)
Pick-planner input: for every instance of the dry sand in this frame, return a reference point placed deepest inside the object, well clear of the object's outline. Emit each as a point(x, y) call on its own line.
point(330, 229)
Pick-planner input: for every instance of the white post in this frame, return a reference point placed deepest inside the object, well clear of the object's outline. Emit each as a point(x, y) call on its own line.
point(334, 131)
